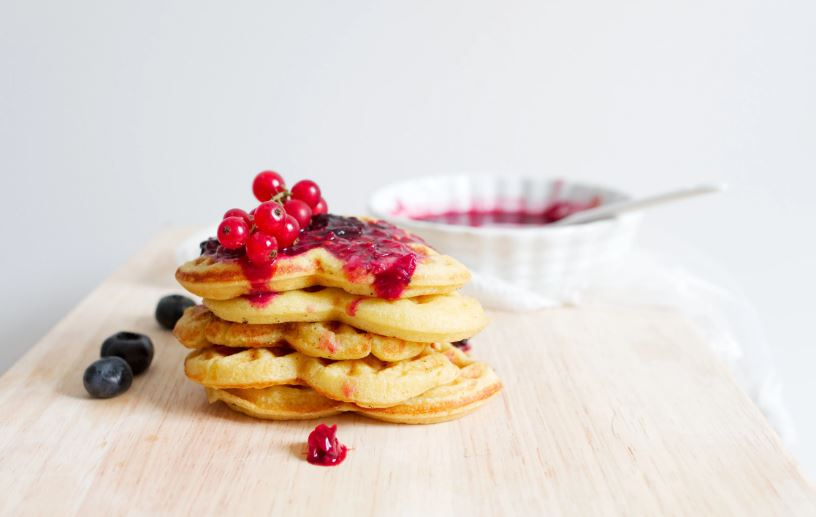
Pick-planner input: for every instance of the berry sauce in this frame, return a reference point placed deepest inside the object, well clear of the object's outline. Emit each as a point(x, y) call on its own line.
point(372, 248)
point(376, 248)
point(324, 447)
point(553, 212)
point(351, 310)
point(257, 274)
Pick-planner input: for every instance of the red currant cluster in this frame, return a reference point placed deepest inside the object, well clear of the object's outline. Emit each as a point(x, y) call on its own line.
point(276, 222)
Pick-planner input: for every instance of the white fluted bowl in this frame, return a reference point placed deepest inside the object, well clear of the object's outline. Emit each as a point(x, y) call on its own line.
point(556, 262)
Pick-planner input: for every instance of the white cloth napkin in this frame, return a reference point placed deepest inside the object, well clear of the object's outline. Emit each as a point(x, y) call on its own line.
point(726, 319)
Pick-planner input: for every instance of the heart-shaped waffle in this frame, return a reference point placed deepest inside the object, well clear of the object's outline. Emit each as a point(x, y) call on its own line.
point(200, 328)
point(428, 319)
point(367, 382)
point(225, 367)
point(361, 256)
point(370, 382)
point(475, 384)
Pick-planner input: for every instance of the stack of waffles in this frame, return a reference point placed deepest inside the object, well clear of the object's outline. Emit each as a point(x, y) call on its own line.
point(357, 315)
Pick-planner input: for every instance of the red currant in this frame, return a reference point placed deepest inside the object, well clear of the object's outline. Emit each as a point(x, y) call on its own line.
point(299, 210)
point(233, 232)
point(269, 216)
point(288, 232)
point(237, 212)
point(320, 208)
point(267, 184)
point(307, 191)
point(261, 248)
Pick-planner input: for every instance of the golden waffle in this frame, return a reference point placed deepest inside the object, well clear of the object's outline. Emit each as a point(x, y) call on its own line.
point(251, 368)
point(370, 382)
point(367, 382)
point(277, 402)
point(216, 279)
point(428, 319)
point(200, 328)
point(475, 384)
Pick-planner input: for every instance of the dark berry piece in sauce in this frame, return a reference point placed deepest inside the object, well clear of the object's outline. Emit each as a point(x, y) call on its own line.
point(463, 345)
point(209, 247)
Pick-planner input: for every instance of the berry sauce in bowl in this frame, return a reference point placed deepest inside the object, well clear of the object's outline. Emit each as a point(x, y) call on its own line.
point(554, 211)
point(499, 226)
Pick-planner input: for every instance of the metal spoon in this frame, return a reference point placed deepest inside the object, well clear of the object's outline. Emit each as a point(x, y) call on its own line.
point(605, 211)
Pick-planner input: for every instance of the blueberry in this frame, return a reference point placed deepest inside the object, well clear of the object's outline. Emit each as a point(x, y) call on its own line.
point(347, 227)
point(107, 377)
point(170, 309)
point(209, 247)
point(135, 349)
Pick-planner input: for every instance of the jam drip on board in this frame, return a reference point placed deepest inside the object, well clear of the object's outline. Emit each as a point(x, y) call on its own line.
point(372, 248)
point(324, 447)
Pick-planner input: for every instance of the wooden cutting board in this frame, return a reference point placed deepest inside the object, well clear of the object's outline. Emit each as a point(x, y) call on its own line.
point(604, 411)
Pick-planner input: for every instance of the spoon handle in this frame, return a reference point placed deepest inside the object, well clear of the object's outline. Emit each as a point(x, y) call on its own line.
point(604, 211)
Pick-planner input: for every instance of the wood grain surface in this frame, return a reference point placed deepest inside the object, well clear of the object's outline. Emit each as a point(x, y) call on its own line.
point(605, 411)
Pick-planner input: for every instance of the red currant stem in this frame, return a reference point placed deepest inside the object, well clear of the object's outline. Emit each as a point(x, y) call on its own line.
point(282, 197)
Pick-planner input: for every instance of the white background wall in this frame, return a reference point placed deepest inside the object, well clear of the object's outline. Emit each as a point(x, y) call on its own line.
point(119, 118)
